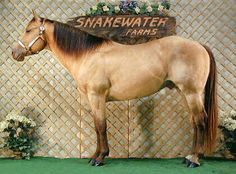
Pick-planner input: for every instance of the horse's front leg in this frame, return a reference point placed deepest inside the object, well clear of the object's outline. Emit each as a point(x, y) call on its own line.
point(92, 161)
point(98, 106)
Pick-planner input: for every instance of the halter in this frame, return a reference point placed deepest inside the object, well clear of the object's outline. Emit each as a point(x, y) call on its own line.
point(29, 46)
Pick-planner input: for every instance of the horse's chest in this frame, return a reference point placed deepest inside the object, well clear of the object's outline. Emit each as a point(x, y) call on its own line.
point(93, 81)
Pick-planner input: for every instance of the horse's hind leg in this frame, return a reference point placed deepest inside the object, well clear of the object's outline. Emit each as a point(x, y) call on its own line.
point(198, 120)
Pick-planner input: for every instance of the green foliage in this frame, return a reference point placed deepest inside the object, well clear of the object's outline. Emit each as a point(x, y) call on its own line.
point(166, 4)
point(230, 140)
point(134, 8)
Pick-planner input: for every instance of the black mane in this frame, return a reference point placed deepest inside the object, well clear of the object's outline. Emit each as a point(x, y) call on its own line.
point(74, 41)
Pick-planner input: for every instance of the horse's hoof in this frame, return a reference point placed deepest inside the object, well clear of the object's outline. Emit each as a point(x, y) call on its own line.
point(98, 163)
point(186, 161)
point(92, 161)
point(193, 165)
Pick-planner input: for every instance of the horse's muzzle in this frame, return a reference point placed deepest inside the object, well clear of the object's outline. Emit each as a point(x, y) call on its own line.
point(18, 54)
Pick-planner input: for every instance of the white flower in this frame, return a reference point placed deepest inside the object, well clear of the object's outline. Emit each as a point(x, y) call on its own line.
point(160, 7)
point(32, 123)
point(117, 8)
point(94, 8)
point(137, 10)
point(12, 116)
point(105, 8)
point(227, 120)
point(149, 9)
point(20, 118)
point(18, 130)
point(3, 125)
point(24, 120)
point(233, 113)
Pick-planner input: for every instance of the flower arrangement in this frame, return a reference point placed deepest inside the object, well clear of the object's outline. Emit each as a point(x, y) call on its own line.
point(124, 7)
point(227, 122)
point(18, 137)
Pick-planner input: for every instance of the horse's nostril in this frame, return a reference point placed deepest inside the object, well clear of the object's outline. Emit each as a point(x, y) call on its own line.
point(13, 54)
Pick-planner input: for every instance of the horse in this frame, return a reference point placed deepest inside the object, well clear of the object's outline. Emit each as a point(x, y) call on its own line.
point(107, 71)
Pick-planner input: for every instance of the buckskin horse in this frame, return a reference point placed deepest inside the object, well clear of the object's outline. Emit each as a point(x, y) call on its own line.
point(107, 71)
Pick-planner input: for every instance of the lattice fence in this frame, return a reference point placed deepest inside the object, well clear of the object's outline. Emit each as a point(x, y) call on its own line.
point(155, 126)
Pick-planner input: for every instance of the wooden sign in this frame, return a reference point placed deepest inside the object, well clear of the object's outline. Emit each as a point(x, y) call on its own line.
point(127, 29)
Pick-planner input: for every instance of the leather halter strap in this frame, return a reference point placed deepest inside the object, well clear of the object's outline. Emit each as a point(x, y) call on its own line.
point(40, 36)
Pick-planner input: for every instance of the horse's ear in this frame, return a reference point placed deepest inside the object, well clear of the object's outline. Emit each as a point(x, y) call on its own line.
point(36, 16)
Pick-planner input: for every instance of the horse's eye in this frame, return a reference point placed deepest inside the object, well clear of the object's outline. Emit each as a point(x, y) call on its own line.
point(27, 31)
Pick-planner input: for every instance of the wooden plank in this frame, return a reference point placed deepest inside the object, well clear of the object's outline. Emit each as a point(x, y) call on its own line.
point(126, 29)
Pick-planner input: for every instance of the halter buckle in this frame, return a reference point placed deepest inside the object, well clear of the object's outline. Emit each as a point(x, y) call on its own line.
point(42, 29)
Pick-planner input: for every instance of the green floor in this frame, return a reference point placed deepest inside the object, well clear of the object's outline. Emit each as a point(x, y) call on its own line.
point(40, 165)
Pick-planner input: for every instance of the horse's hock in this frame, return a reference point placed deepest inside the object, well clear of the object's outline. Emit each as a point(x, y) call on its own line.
point(155, 126)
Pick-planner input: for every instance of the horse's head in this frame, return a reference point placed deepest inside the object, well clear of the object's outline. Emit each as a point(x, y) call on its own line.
point(33, 39)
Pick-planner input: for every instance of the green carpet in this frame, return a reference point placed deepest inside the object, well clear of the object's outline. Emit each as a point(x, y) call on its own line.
point(40, 165)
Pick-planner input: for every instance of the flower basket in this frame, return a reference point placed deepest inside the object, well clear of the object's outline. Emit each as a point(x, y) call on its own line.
point(17, 155)
point(18, 136)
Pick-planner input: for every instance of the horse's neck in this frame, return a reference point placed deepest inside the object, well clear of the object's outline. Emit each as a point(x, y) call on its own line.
point(70, 62)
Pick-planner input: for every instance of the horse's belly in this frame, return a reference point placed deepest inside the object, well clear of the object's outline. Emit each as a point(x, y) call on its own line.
point(132, 88)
